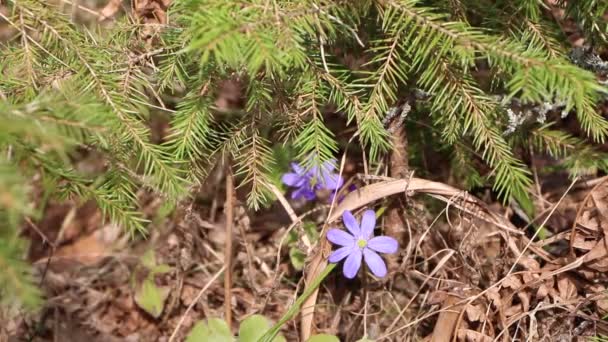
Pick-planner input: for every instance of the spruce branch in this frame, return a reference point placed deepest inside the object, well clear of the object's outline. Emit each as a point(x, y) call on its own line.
point(315, 139)
point(16, 277)
point(154, 159)
point(533, 76)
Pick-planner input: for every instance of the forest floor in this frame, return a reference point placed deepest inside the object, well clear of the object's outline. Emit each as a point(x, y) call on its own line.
point(469, 267)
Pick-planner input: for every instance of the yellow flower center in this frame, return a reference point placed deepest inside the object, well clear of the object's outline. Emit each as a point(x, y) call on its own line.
point(362, 243)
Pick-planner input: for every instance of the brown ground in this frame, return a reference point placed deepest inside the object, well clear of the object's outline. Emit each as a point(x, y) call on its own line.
point(468, 269)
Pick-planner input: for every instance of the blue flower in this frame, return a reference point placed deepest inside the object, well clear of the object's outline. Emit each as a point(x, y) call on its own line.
point(308, 182)
point(360, 244)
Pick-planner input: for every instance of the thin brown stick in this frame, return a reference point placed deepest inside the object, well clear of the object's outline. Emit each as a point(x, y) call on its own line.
point(229, 214)
point(198, 297)
point(316, 266)
point(398, 166)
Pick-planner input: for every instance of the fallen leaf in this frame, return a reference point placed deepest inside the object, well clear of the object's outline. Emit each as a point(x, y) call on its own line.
point(513, 310)
point(110, 9)
point(566, 287)
point(446, 322)
point(512, 282)
point(475, 313)
point(473, 336)
point(90, 249)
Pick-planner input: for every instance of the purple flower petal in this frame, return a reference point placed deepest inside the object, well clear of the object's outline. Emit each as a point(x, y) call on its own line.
point(374, 262)
point(340, 238)
point(340, 254)
point(303, 192)
point(353, 263)
point(368, 223)
point(298, 169)
point(292, 179)
point(351, 223)
point(331, 181)
point(383, 244)
point(329, 165)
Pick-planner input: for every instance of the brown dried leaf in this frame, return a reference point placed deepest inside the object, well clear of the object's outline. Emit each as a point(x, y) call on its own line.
point(529, 263)
point(524, 297)
point(513, 310)
point(566, 287)
point(91, 248)
point(597, 257)
point(437, 297)
point(472, 336)
point(529, 277)
point(600, 198)
point(513, 282)
point(545, 288)
point(110, 9)
point(602, 305)
point(581, 243)
point(494, 296)
point(447, 320)
point(543, 291)
point(475, 313)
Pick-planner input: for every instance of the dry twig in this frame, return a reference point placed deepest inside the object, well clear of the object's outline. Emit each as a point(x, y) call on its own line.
point(229, 213)
point(198, 297)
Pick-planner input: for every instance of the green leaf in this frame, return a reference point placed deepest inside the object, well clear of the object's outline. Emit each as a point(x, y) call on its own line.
point(151, 298)
point(310, 229)
point(199, 332)
point(219, 327)
point(160, 269)
point(212, 330)
point(525, 202)
point(254, 327)
point(365, 339)
point(148, 259)
point(297, 258)
point(324, 338)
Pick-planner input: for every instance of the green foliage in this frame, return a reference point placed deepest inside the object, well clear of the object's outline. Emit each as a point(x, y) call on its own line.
point(215, 329)
point(151, 298)
point(148, 296)
point(323, 338)
point(66, 88)
point(252, 329)
point(590, 15)
point(297, 256)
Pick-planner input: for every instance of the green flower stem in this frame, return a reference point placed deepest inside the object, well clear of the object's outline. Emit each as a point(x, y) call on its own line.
point(293, 311)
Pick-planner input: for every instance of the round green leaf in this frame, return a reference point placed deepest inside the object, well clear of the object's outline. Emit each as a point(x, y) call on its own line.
point(254, 327)
point(200, 332)
point(214, 330)
point(324, 338)
point(365, 339)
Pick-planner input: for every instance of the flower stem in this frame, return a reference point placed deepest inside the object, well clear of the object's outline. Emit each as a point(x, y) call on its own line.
point(295, 308)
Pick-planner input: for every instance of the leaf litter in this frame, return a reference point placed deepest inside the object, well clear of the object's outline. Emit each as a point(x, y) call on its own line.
point(465, 272)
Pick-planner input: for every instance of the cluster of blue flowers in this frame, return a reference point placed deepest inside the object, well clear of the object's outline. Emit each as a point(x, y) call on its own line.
point(307, 183)
point(360, 244)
